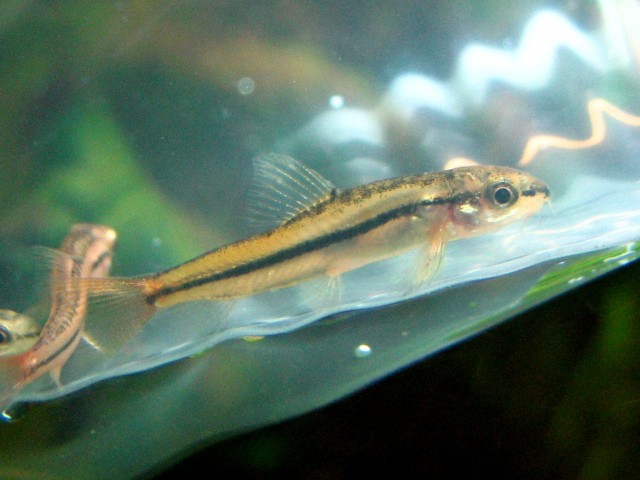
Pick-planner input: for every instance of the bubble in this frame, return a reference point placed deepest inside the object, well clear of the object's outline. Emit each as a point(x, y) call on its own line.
point(336, 102)
point(362, 351)
point(246, 86)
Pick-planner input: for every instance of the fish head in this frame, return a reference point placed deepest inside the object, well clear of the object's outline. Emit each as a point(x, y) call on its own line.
point(487, 198)
point(17, 332)
point(100, 243)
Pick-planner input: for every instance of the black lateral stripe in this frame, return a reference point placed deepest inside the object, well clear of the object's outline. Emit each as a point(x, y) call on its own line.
point(30, 335)
point(55, 354)
point(312, 245)
point(100, 259)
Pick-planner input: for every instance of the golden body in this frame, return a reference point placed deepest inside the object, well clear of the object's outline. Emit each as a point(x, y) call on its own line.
point(346, 229)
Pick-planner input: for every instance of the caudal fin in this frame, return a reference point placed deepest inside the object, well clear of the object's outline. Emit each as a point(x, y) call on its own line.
point(118, 309)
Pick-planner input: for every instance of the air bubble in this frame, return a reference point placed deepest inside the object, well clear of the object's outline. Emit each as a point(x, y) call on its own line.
point(246, 86)
point(362, 351)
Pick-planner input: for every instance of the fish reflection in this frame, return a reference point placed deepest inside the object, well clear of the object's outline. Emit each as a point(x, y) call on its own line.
point(85, 252)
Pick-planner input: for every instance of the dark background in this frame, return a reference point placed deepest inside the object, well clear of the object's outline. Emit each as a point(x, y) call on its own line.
point(542, 396)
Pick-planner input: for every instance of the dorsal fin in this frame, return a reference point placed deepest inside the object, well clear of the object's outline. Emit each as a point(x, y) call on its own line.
point(282, 188)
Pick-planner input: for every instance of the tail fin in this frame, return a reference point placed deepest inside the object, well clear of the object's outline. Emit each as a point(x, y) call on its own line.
point(118, 309)
point(10, 373)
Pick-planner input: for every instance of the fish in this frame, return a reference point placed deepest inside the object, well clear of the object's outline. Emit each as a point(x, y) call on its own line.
point(310, 229)
point(86, 252)
point(326, 231)
point(18, 332)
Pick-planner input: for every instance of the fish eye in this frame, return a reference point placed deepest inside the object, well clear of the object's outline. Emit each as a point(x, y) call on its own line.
point(502, 194)
point(5, 335)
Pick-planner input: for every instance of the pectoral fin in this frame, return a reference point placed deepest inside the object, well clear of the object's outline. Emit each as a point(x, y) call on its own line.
point(429, 260)
point(55, 375)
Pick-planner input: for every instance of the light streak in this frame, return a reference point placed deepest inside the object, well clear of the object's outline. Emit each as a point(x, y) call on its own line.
point(596, 108)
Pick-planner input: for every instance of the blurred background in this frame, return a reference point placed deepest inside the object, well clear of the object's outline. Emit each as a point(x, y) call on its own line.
point(145, 116)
